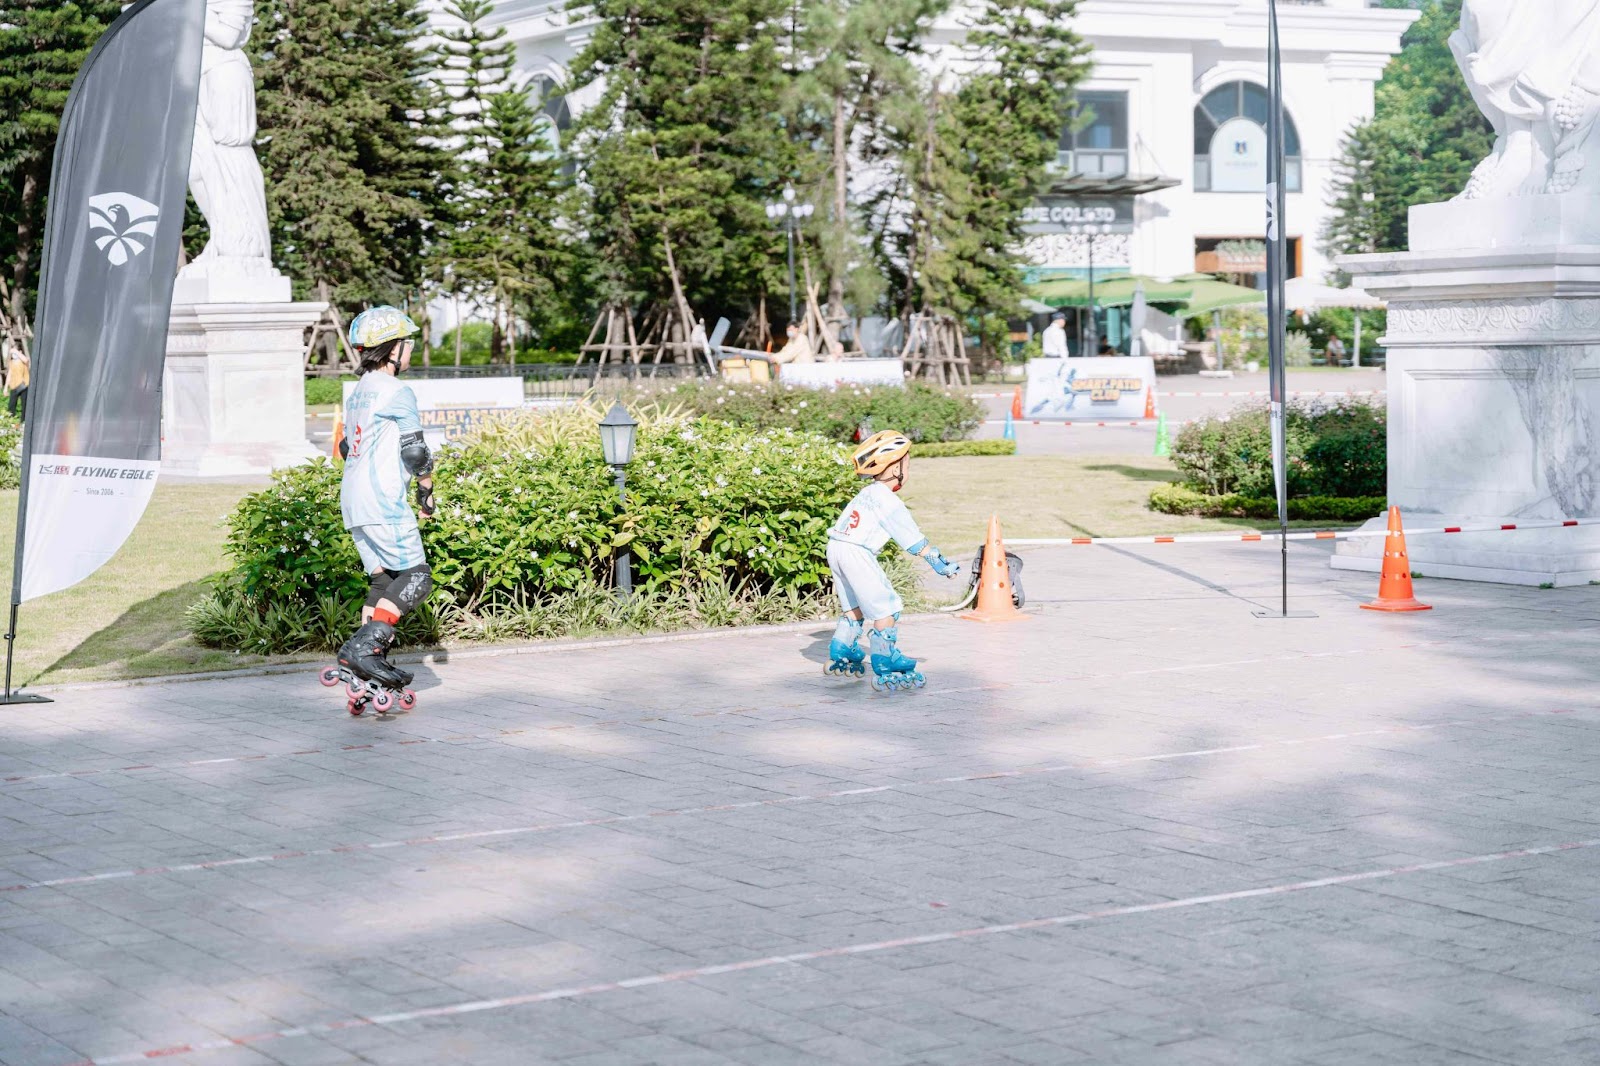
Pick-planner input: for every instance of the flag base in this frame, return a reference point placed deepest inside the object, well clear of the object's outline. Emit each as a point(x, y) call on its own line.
point(1265, 613)
point(17, 698)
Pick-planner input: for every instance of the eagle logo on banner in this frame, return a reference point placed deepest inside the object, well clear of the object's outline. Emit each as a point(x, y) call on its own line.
point(124, 225)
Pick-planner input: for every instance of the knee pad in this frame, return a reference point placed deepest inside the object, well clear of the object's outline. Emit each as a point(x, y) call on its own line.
point(378, 587)
point(410, 587)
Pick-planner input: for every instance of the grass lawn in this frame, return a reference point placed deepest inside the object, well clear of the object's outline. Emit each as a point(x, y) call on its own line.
point(126, 620)
point(1048, 496)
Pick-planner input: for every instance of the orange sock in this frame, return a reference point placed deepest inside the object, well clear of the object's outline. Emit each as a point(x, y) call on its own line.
point(381, 615)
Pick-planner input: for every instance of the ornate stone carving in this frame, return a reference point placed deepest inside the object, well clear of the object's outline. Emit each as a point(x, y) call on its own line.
point(1534, 69)
point(224, 173)
point(1506, 321)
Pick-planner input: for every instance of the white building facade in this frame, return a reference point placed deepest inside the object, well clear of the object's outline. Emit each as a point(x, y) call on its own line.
point(1166, 174)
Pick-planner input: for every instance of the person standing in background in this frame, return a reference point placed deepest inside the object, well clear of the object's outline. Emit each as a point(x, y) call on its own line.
point(1055, 337)
point(16, 381)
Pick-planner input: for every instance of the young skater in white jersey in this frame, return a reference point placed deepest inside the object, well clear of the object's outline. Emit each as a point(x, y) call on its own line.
point(869, 522)
point(383, 450)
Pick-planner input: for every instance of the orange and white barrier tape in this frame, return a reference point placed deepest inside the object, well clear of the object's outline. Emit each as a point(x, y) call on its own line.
point(1140, 423)
point(1275, 535)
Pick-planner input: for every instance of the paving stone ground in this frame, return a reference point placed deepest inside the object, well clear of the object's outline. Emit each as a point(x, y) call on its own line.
point(1324, 841)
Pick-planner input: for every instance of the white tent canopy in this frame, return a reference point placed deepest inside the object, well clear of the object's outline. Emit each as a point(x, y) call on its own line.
point(1308, 294)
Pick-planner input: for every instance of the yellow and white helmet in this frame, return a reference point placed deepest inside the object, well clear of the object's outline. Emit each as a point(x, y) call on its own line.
point(379, 325)
point(881, 451)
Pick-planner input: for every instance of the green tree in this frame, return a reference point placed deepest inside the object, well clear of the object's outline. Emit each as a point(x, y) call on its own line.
point(1425, 137)
point(982, 154)
point(352, 128)
point(856, 79)
point(683, 149)
point(43, 43)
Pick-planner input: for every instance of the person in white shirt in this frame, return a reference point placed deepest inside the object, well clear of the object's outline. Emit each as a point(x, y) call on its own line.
point(1055, 337)
point(869, 521)
point(383, 451)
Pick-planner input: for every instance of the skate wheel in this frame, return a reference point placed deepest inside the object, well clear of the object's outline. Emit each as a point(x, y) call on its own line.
point(356, 691)
point(918, 681)
point(329, 677)
point(383, 702)
point(408, 700)
point(881, 684)
point(355, 707)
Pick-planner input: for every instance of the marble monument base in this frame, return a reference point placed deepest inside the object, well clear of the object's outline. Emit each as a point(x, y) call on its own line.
point(233, 396)
point(1494, 384)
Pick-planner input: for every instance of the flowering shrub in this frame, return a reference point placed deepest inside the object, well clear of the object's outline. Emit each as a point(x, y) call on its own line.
point(529, 516)
point(920, 411)
point(1333, 449)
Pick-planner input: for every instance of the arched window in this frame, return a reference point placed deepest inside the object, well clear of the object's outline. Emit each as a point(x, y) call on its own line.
point(1230, 141)
point(547, 95)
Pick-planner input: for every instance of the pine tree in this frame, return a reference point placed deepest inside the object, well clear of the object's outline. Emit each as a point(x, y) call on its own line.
point(856, 76)
point(351, 142)
point(476, 67)
point(1425, 137)
point(43, 43)
point(683, 148)
point(981, 155)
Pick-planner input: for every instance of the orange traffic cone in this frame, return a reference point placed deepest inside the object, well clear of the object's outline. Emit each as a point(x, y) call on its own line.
point(1149, 402)
point(1394, 588)
point(994, 583)
point(338, 430)
point(1016, 403)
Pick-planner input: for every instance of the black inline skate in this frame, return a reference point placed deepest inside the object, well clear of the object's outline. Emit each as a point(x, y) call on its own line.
point(368, 676)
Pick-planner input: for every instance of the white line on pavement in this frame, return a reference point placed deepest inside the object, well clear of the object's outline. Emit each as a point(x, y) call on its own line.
point(764, 962)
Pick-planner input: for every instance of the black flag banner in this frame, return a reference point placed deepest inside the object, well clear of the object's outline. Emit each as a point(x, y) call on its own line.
point(92, 446)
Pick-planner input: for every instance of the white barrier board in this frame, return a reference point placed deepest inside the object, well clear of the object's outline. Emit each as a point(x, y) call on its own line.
point(844, 372)
point(1099, 388)
point(450, 407)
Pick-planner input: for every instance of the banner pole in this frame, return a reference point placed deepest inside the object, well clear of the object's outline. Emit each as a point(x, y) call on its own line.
point(1277, 319)
point(13, 698)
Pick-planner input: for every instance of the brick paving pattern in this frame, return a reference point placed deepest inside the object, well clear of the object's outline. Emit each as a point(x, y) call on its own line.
point(1142, 827)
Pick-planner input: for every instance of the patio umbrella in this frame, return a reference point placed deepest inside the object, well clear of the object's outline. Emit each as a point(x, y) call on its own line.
point(1307, 294)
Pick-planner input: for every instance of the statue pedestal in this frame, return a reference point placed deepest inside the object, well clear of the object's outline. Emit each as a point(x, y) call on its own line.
point(1494, 381)
point(233, 396)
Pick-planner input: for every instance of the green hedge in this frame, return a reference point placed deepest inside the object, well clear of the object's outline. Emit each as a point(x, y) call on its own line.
point(945, 449)
point(321, 391)
point(10, 450)
point(528, 524)
point(1181, 500)
point(1333, 449)
point(922, 412)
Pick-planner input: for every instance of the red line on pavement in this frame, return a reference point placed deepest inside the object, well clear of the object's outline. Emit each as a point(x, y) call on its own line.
point(781, 801)
point(841, 951)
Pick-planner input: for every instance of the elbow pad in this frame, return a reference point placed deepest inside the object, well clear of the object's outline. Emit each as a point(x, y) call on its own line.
point(916, 549)
point(414, 453)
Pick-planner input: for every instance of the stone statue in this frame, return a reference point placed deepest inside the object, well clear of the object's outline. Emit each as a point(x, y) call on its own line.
point(1534, 70)
point(224, 173)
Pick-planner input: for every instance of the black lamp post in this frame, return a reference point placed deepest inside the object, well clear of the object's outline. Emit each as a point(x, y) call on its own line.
point(618, 430)
point(1091, 231)
point(790, 214)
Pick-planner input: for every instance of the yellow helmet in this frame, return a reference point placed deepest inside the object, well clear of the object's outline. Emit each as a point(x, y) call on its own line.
point(881, 451)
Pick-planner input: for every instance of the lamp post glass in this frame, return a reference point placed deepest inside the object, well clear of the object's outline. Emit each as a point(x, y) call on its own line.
point(618, 430)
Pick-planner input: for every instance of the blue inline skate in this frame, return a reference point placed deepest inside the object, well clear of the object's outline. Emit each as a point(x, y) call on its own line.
point(845, 657)
point(892, 671)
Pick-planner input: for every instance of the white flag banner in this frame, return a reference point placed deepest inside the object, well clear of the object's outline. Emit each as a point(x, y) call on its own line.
point(92, 446)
